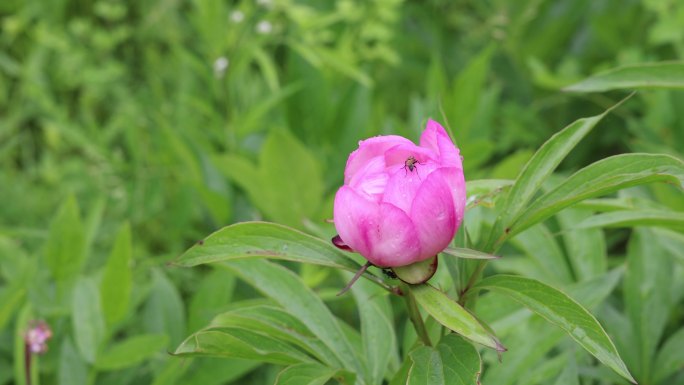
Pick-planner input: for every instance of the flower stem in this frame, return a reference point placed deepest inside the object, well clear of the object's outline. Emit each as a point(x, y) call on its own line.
point(463, 297)
point(414, 315)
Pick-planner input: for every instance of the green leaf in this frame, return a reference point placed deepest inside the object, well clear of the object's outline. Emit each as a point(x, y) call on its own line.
point(647, 284)
point(460, 359)
point(72, 368)
point(216, 371)
point(601, 178)
point(117, 281)
point(649, 75)
point(452, 315)
point(561, 310)
point(287, 289)
point(670, 358)
point(538, 169)
point(453, 362)
point(86, 318)
point(305, 374)
point(276, 323)
point(131, 351)
point(585, 248)
point(292, 177)
point(462, 252)
point(569, 375)
point(540, 245)
point(377, 329)
point(241, 343)
point(480, 190)
point(267, 240)
point(65, 247)
point(659, 218)
point(214, 292)
point(164, 312)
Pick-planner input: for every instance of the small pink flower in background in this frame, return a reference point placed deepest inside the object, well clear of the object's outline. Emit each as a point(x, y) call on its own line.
point(37, 336)
point(401, 203)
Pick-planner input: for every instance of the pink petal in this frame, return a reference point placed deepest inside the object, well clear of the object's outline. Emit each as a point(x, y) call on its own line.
point(437, 139)
point(433, 213)
point(403, 184)
point(456, 181)
point(398, 155)
point(369, 149)
point(351, 214)
point(393, 239)
point(370, 179)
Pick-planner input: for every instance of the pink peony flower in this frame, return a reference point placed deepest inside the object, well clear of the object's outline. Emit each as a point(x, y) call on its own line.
point(401, 203)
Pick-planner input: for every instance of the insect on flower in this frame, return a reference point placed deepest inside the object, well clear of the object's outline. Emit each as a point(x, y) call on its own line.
point(410, 164)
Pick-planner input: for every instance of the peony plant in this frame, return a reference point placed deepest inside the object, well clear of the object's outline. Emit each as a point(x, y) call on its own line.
point(400, 206)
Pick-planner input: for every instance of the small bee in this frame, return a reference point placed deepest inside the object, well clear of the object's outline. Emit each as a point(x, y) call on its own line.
point(410, 164)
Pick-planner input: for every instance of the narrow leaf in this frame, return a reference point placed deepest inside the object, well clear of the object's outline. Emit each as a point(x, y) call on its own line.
point(131, 352)
point(538, 169)
point(87, 319)
point(287, 289)
point(461, 252)
point(561, 310)
point(65, 248)
point(250, 240)
point(240, 343)
point(117, 281)
point(658, 218)
point(452, 315)
point(670, 358)
point(305, 374)
point(601, 178)
point(649, 75)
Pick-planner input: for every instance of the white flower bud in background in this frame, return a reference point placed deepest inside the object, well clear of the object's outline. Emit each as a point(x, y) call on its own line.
point(220, 66)
point(264, 27)
point(237, 16)
point(265, 3)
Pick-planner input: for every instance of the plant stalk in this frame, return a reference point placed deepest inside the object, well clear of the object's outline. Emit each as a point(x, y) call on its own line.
point(414, 315)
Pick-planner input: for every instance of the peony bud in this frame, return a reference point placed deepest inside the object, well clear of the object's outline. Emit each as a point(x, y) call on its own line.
point(401, 203)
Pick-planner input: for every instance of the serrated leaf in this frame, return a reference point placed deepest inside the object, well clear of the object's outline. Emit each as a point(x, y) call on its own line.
point(452, 315)
point(601, 178)
point(658, 218)
point(131, 351)
point(561, 310)
point(648, 75)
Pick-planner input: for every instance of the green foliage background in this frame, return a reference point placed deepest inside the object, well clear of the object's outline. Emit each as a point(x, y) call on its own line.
point(123, 142)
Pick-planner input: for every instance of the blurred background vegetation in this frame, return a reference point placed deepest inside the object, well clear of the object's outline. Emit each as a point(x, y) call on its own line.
point(131, 129)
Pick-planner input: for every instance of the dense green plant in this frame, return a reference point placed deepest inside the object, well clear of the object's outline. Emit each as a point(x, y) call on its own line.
point(115, 112)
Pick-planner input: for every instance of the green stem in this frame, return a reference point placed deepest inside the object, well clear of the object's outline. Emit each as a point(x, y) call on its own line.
point(414, 315)
point(463, 297)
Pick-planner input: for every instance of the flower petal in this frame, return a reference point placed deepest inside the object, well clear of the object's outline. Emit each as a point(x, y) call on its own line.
point(437, 139)
point(393, 239)
point(352, 214)
point(369, 149)
point(403, 184)
point(433, 213)
point(370, 179)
